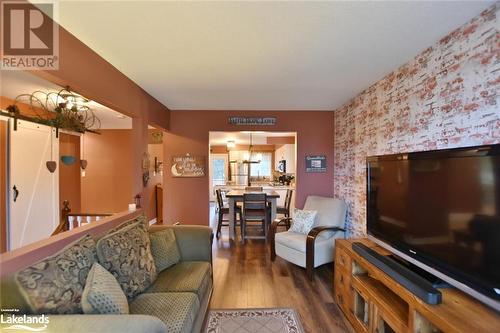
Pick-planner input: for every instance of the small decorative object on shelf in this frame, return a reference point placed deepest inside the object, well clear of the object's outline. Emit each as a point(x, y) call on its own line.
point(146, 164)
point(63, 109)
point(137, 200)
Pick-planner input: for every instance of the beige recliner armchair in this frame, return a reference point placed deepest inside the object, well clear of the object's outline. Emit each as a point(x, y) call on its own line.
point(317, 247)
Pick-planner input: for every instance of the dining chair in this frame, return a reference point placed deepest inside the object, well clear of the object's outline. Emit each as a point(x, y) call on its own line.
point(224, 210)
point(255, 209)
point(285, 210)
point(254, 189)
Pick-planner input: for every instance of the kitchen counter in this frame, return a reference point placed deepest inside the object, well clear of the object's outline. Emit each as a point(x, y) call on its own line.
point(281, 189)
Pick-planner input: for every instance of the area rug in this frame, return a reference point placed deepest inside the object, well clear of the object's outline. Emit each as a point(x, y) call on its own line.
point(253, 321)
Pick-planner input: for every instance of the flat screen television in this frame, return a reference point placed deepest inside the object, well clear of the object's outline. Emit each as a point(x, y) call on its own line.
point(441, 211)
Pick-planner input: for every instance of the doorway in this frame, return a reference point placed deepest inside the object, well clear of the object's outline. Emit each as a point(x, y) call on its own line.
point(218, 172)
point(256, 158)
point(33, 190)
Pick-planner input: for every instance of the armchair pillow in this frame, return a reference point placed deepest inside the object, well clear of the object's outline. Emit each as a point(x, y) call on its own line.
point(102, 293)
point(126, 253)
point(303, 221)
point(164, 249)
point(55, 284)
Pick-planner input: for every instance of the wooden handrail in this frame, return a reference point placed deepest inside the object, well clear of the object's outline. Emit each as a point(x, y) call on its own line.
point(67, 218)
point(90, 214)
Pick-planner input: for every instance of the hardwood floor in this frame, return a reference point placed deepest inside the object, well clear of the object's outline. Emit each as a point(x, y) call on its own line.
point(245, 277)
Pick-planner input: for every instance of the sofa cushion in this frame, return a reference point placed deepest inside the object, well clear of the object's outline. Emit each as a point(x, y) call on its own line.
point(177, 310)
point(164, 249)
point(102, 293)
point(186, 276)
point(55, 284)
point(126, 253)
point(140, 218)
point(303, 221)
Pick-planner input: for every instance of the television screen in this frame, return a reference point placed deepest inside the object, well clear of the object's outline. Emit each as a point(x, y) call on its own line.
point(441, 208)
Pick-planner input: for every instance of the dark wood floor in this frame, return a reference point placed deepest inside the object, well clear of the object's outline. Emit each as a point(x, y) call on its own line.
point(245, 277)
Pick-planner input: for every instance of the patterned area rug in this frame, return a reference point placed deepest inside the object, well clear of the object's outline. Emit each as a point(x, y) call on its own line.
point(254, 321)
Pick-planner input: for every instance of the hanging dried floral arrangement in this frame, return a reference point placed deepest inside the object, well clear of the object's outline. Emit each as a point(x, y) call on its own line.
point(63, 109)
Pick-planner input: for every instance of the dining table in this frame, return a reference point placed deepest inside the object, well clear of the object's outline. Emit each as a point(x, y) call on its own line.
point(235, 196)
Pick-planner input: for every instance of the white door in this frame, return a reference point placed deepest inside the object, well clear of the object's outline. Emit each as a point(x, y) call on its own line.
point(218, 172)
point(33, 190)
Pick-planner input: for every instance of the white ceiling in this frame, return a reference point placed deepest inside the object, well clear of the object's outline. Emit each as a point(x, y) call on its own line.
point(243, 138)
point(261, 55)
point(14, 83)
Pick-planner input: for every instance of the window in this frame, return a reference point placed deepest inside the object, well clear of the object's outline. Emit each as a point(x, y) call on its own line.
point(218, 171)
point(264, 168)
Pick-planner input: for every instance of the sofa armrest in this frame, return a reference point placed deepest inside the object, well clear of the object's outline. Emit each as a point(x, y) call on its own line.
point(194, 241)
point(81, 323)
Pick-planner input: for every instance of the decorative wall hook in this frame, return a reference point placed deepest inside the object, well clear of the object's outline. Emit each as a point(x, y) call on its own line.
point(83, 164)
point(51, 165)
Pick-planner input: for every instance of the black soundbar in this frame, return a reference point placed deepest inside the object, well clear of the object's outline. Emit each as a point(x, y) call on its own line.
point(417, 285)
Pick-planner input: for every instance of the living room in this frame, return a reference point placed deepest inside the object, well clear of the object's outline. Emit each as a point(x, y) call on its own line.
point(389, 221)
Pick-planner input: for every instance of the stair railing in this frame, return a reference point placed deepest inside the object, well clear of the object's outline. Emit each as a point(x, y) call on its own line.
point(74, 220)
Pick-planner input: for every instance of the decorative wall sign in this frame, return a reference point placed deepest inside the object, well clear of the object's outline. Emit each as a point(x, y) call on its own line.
point(188, 166)
point(316, 163)
point(155, 137)
point(253, 121)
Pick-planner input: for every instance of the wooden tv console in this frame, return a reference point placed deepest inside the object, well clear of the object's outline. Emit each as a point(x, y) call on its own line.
point(373, 302)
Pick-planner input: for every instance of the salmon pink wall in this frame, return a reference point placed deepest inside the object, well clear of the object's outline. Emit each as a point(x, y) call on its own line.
point(88, 74)
point(186, 200)
point(107, 185)
point(69, 175)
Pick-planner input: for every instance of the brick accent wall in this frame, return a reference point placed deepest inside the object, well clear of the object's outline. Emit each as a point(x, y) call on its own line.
point(447, 96)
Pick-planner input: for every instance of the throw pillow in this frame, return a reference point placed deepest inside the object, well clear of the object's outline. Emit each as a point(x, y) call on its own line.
point(126, 253)
point(140, 218)
point(164, 249)
point(102, 293)
point(303, 221)
point(55, 284)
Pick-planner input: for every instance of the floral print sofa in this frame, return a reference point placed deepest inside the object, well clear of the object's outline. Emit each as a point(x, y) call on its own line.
point(163, 290)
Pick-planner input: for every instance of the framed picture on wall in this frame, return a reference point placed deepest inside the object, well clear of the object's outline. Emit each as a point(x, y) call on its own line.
point(282, 166)
point(316, 163)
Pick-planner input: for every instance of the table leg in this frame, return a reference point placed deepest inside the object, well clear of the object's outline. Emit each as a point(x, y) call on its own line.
point(273, 209)
point(231, 203)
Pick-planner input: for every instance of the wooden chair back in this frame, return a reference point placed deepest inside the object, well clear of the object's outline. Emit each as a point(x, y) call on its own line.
point(254, 189)
point(220, 201)
point(255, 201)
point(288, 199)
